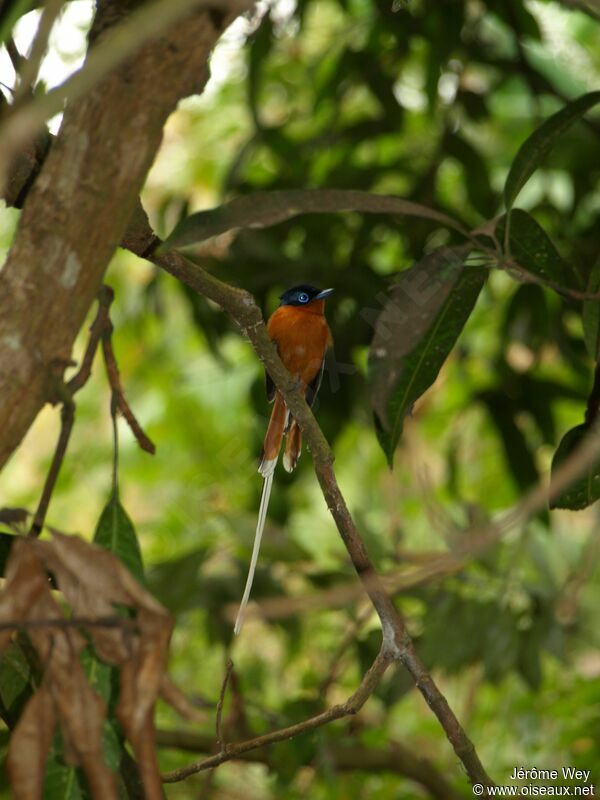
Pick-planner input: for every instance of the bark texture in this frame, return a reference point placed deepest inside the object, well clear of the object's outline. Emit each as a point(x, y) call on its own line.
point(78, 209)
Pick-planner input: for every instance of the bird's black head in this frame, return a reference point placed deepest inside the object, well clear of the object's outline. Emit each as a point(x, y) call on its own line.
point(303, 294)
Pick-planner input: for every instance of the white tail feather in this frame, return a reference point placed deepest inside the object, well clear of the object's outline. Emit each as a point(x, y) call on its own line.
point(267, 468)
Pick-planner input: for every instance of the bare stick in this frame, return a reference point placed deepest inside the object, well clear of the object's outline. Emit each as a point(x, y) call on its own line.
point(114, 378)
point(352, 706)
point(30, 66)
point(395, 758)
point(67, 418)
point(228, 670)
point(71, 622)
point(105, 297)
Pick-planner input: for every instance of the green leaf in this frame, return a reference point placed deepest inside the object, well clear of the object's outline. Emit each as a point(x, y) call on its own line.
point(591, 315)
point(529, 660)
point(534, 150)
point(10, 13)
point(421, 320)
point(260, 45)
point(175, 583)
point(115, 532)
point(532, 248)
point(62, 781)
point(519, 457)
point(584, 490)
point(477, 179)
point(527, 318)
point(98, 673)
point(262, 209)
point(16, 681)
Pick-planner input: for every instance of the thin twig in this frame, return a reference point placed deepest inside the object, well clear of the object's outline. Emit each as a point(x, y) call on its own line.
point(65, 393)
point(114, 378)
point(394, 758)
point(105, 298)
point(352, 706)
point(31, 65)
point(13, 53)
point(397, 642)
point(141, 26)
point(219, 728)
point(100, 330)
point(473, 542)
point(67, 418)
point(71, 622)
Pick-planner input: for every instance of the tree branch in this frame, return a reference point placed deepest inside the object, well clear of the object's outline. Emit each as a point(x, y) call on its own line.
point(135, 31)
point(396, 758)
point(78, 209)
point(140, 239)
point(352, 706)
point(397, 643)
point(30, 66)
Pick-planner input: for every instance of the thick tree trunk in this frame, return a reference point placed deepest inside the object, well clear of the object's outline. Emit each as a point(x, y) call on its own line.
point(77, 211)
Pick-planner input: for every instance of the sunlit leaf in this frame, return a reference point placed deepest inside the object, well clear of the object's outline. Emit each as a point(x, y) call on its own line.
point(535, 149)
point(421, 320)
point(115, 532)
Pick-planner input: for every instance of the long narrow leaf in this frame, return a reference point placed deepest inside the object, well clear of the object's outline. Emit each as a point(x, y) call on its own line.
point(534, 150)
point(591, 315)
point(421, 320)
point(533, 250)
point(263, 209)
point(115, 532)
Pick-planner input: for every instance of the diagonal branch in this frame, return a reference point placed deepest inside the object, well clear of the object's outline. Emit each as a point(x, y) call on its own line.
point(77, 210)
point(352, 706)
point(30, 66)
point(395, 758)
point(396, 640)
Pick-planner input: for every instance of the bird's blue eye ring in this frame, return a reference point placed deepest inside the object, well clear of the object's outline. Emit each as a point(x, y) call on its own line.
point(303, 297)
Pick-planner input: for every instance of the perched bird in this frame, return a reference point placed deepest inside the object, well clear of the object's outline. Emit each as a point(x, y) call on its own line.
point(300, 331)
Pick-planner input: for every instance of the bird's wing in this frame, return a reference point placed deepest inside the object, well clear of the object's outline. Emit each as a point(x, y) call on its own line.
point(270, 387)
point(315, 385)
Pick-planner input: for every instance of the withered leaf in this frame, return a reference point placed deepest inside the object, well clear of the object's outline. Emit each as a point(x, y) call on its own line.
point(99, 589)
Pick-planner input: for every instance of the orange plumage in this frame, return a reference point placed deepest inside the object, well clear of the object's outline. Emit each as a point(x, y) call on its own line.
point(302, 337)
point(300, 331)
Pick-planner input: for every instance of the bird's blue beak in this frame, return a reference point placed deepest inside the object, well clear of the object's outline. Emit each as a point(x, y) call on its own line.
point(325, 293)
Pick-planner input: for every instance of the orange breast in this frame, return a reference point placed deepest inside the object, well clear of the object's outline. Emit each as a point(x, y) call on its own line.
point(302, 336)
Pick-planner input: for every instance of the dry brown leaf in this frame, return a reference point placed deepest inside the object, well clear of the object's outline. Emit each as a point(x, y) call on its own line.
point(26, 589)
point(96, 586)
point(29, 746)
point(65, 695)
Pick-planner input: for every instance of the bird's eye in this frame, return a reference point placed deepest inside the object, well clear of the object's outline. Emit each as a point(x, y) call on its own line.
point(303, 297)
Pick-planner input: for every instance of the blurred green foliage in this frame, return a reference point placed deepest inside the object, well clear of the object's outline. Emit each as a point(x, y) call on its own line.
point(432, 103)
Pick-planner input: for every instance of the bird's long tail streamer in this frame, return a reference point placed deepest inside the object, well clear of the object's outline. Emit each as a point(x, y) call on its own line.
point(260, 525)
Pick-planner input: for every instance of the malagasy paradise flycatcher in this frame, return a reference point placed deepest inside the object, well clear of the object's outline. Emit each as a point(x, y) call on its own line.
point(300, 331)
